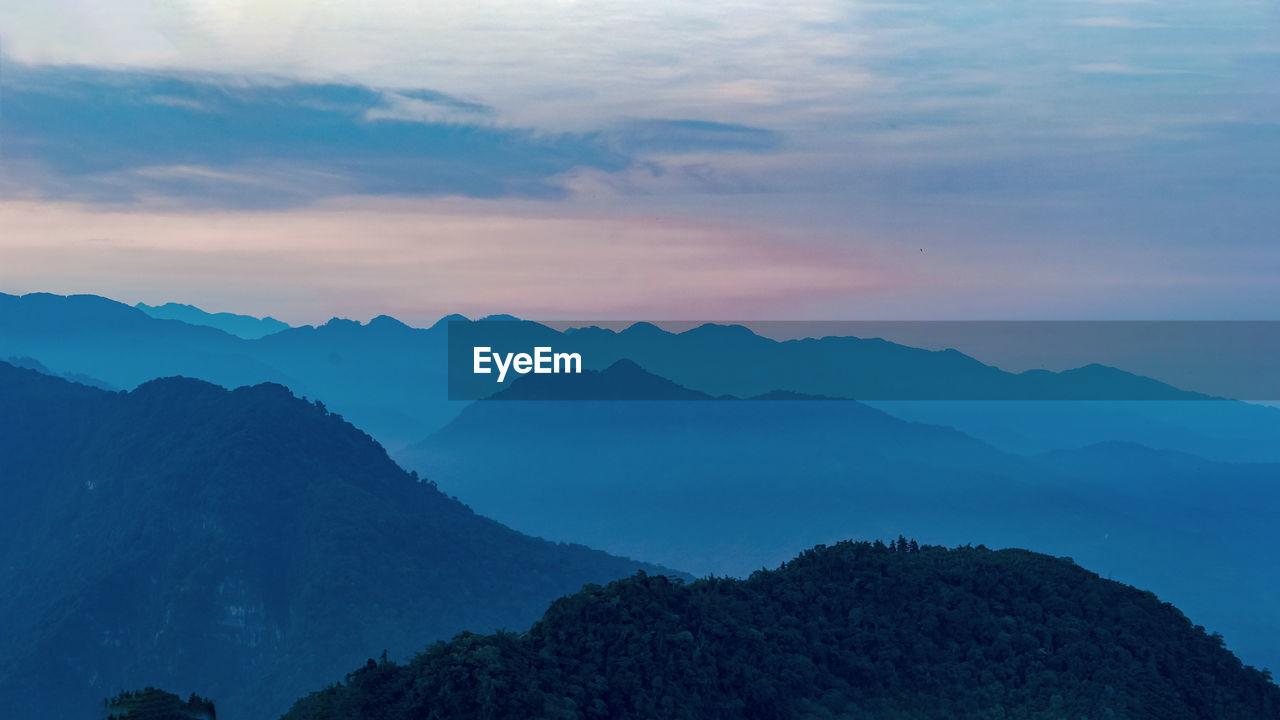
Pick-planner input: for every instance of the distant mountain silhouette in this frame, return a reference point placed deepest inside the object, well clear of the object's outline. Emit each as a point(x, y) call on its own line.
point(731, 486)
point(1225, 431)
point(245, 326)
point(733, 360)
point(243, 544)
point(124, 346)
point(856, 631)
point(623, 380)
point(390, 379)
point(384, 376)
point(33, 364)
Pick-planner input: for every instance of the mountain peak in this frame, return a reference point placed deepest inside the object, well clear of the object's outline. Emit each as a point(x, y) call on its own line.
point(451, 317)
point(386, 322)
point(644, 330)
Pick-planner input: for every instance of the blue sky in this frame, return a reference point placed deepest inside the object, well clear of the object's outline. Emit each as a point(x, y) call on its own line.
point(1049, 159)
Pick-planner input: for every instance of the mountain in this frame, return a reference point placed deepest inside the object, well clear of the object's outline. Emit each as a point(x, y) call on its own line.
point(727, 486)
point(623, 380)
point(855, 631)
point(245, 326)
point(33, 364)
point(1226, 431)
point(244, 544)
point(124, 346)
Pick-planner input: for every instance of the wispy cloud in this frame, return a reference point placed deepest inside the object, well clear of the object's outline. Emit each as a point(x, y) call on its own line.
point(1123, 69)
point(113, 136)
point(1114, 22)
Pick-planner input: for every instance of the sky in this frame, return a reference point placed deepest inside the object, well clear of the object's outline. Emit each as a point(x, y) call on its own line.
point(1006, 159)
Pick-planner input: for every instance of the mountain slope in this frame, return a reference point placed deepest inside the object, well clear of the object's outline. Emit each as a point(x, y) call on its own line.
point(244, 544)
point(855, 631)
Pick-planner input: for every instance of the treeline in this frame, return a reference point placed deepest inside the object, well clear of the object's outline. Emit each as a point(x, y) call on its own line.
point(856, 630)
point(153, 704)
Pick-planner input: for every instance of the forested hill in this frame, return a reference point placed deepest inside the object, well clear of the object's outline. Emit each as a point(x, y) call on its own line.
point(244, 544)
point(853, 631)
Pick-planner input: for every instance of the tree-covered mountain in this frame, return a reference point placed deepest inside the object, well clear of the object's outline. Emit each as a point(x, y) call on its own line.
point(244, 544)
point(728, 486)
point(853, 631)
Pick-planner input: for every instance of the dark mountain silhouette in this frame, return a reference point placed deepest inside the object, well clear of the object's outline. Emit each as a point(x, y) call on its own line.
point(856, 631)
point(245, 326)
point(243, 544)
point(729, 486)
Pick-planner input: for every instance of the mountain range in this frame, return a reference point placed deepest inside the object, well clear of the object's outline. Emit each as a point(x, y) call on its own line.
point(390, 379)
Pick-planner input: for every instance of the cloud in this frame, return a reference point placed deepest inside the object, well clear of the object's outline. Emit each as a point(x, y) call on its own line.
point(992, 134)
point(678, 136)
point(118, 136)
point(1113, 22)
point(1123, 69)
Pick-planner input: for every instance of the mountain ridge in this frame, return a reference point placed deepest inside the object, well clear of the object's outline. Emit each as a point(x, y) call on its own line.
point(244, 326)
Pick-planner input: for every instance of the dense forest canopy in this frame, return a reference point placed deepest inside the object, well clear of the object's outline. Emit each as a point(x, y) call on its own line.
point(855, 631)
